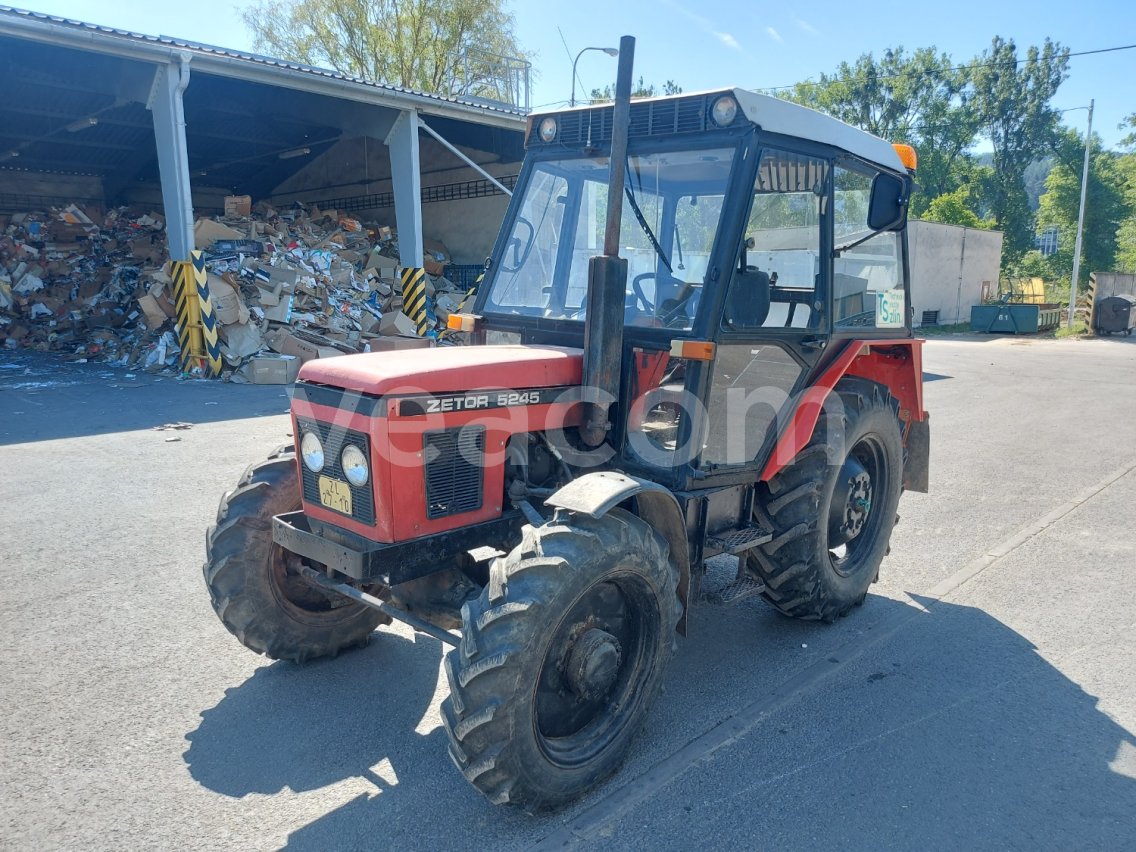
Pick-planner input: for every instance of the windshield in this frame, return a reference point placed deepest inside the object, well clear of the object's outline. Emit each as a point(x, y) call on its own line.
point(667, 241)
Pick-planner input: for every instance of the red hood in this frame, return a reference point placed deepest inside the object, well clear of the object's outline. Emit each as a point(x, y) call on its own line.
point(448, 368)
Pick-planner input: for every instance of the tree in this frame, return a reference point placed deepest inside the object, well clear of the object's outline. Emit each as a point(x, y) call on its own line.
point(955, 208)
point(448, 47)
point(1105, 207)
point(1011, 99)
point(1129, 122)
point(641, 90)
point(919, 98)
point(1126, 232)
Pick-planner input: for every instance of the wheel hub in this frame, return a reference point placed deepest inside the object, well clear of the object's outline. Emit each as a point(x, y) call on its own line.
point(593, 664)
point(851, 503)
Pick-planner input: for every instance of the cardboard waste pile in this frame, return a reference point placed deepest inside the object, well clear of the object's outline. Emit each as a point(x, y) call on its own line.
point(286, 286)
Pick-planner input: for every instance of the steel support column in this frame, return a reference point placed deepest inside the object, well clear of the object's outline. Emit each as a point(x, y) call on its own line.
point(406, 174)
point(165, 105)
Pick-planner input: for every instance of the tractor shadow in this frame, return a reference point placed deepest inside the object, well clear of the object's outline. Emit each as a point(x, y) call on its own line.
point(304, 727)
point(1020, 752)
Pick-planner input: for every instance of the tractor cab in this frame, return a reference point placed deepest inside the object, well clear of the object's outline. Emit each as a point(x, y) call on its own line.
point(757, 234)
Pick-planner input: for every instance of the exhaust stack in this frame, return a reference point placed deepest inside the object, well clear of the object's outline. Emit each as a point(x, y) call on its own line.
point(607, 276)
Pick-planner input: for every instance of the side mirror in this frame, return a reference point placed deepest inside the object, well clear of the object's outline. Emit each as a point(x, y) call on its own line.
point(887, 209)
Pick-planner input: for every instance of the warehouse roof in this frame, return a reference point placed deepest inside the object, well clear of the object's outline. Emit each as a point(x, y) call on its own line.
point(38, 26)
point(76, 93)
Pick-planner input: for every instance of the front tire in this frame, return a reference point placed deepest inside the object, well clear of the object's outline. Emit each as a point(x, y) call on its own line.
point(832, 522)
point(560, 659)
point(252, 581)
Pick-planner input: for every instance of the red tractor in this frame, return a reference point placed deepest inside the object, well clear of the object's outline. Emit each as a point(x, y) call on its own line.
point(695, 340)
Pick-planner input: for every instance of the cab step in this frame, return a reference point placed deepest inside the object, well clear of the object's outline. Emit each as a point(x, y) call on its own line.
point(743, 588)
point(740, 540)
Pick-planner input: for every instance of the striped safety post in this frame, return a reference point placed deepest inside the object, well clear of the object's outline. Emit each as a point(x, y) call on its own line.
point(414, 298)
point(196, 321)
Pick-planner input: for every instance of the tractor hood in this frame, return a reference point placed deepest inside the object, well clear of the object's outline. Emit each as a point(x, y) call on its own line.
point(447, 369)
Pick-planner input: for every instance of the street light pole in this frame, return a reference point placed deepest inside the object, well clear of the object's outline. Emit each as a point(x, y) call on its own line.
point(1081, 219)
point(610, 51)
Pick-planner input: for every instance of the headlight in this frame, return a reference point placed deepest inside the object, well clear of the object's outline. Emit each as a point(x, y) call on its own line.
point(724, 111)
point(548, 129)
point(354, 465)
point(311, 451)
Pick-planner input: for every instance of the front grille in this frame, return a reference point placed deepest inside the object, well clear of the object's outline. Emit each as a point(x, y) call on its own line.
point(453, 471)
point(333, 439)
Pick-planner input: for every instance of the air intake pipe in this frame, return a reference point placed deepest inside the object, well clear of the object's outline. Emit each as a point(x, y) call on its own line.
point(607, 276)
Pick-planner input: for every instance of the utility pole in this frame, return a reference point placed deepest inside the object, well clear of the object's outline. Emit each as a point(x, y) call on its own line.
point(1081, 217)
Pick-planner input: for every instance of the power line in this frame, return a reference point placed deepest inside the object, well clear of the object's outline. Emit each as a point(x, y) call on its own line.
point(931, 71)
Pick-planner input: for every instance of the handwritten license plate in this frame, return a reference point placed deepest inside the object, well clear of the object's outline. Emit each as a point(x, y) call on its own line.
point(335, 494)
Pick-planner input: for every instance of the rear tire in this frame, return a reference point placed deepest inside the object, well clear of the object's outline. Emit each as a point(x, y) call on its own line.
point(560, 659)
point(256, 593)
point(831, 523)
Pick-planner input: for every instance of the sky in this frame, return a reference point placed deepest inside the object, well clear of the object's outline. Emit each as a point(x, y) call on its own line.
point(705, 44)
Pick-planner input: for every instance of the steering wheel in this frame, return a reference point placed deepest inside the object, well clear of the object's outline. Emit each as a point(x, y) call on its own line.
point(640, 296)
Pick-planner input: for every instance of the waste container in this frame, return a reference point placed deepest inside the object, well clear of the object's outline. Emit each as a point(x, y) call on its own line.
point(1115, 315)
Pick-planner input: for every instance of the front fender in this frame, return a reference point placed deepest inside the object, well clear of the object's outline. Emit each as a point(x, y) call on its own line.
point(596, 494)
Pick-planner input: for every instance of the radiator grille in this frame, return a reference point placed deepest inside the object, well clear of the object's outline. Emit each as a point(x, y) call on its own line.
point(453, 471)
point(334, 439)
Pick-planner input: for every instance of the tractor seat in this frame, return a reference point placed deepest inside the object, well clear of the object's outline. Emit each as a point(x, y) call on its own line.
point(747, 303)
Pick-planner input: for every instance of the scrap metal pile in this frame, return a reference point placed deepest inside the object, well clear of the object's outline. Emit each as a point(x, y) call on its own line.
point(286, 286)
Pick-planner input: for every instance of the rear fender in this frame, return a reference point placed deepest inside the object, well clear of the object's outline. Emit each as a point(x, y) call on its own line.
point(596, 494)
point(895, 364)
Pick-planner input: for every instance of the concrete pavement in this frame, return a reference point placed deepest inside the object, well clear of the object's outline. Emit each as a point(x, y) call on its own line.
point(975, 700)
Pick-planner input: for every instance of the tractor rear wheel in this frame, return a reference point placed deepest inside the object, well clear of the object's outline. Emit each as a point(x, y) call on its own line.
point(560, 659)
point(831, 522)
point(254, 584)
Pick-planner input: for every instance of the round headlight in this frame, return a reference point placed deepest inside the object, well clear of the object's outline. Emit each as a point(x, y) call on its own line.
point(311, 451)
point(724, 111)
point(354, 465)
point(548, 129)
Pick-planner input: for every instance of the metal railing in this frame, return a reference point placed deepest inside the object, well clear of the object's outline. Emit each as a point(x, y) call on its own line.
point(497, 79)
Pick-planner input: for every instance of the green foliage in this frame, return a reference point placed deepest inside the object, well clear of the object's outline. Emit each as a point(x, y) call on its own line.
point(943, 109)
point(1011, 100)
point(444, 46)
point(1129, 141)
point(955, 208)
point(642, 90)
point(1126, 232)
point(1105, 207)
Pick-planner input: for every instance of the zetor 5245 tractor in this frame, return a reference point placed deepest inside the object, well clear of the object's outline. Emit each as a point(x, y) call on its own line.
point(693, 338)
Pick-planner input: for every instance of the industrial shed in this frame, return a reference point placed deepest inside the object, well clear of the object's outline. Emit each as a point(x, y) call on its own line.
point(103, 116)
point(952, 268)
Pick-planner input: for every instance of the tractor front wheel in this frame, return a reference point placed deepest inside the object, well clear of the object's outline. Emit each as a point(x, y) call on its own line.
point(833, 508)
point(254, 584)
point(560, 659)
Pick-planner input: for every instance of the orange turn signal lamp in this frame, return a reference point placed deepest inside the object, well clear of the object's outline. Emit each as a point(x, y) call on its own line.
point(692, 350)
point(462, 322)
point(907, 155)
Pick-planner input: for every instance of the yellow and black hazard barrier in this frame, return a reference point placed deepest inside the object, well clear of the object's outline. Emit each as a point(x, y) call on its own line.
point(414, 298)
point(196, 322)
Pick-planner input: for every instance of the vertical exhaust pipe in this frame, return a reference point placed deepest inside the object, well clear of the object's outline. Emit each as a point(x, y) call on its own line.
point(607, 276)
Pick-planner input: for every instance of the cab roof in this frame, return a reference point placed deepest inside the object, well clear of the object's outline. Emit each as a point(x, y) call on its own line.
point(690, 113)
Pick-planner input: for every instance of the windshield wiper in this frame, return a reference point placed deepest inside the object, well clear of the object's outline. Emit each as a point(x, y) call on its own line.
point(839, 250)
point(646, 228)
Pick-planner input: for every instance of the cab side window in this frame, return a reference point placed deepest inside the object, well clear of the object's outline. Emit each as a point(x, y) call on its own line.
point(867, 283)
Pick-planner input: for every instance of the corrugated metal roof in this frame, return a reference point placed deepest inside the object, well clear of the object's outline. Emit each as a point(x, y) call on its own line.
point(99, 36)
